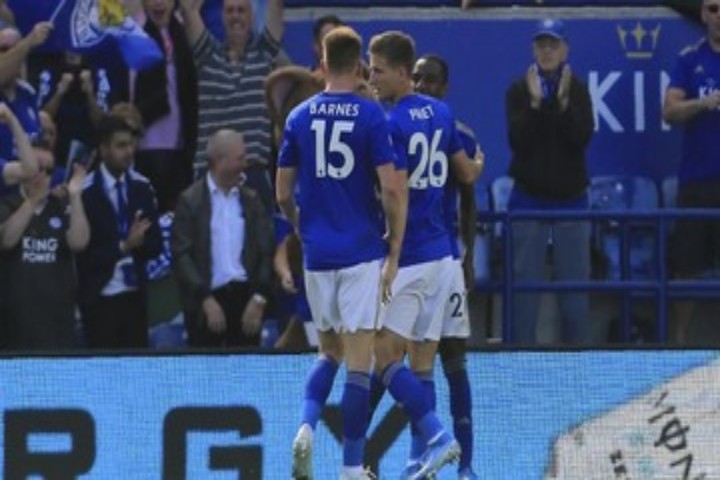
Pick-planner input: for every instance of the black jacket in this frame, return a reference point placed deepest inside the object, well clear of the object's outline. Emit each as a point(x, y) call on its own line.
point(548, 146)
point(96, 263)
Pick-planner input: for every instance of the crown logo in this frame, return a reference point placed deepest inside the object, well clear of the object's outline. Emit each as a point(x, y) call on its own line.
point(639, 42)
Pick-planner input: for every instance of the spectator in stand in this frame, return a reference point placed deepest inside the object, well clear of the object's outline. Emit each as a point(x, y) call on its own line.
point(166, 96)
point(550, 123)
point(124, 233)
point(693, 100)
point(222, 250)
point(75, 93)
point(40, 232)
point(11, 173)
point(322, 27)
point(231, 80)
point(15, 92)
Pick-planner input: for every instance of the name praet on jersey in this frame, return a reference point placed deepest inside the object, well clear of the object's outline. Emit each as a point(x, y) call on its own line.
point(422, 113)
point(335, 109)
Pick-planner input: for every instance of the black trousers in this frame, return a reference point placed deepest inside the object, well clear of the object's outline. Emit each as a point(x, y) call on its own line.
point(233, 297)
point(117, 321)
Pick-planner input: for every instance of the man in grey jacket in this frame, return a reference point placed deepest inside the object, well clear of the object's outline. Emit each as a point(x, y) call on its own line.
point(222, 246)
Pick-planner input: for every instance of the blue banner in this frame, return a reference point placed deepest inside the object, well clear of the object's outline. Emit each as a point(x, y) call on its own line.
point(88, 26)
point(624, 57)
point(537, 415)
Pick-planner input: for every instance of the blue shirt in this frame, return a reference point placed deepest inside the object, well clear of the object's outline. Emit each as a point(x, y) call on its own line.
point(697, 73)
point(24, 106)
point(452, 188)
point(336, 141)
point(424, 133)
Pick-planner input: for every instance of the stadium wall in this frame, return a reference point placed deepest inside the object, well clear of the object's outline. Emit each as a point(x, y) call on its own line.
point(624, 54)
point(538, 415)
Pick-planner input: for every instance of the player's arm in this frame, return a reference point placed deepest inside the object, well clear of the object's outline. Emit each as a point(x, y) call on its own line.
point(394, 195)
point(285, 194)
point(677, 108)
point(275, 19)
point(27, 167)
point(467, 170)
point(194, 25)
point(467, 217)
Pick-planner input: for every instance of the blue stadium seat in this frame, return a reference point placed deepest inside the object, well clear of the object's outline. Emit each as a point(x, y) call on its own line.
point(626, 193)
point(669, 192)
point(500, 191)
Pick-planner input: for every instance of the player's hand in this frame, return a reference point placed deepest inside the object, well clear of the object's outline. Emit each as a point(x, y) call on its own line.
point(532, 79)
point(252, 318)
point(389, 272)
point(468, 271)
point(214, 315)
point(40, 33)
point(563, 92)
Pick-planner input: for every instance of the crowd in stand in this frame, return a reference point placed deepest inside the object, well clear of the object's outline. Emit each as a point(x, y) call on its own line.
point(95, 159)
point(113, 178)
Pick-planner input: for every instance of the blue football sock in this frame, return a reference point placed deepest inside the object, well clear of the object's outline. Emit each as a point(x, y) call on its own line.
point(317, 388)
point(417, 445)
point(377, 390)
point(355, 406)
point(407, 390)
point(460, 407)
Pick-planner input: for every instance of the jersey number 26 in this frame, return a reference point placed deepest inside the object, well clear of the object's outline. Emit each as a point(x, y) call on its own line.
point(432, 169)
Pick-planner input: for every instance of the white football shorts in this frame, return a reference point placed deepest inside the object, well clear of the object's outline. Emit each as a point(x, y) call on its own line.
point(456, 321)
point(419, 300)
point(345, 300)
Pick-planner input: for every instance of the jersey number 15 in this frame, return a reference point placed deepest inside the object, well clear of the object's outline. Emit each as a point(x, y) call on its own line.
point(322, 167)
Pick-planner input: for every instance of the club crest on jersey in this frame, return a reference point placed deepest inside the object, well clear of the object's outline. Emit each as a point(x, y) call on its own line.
point(92, 20)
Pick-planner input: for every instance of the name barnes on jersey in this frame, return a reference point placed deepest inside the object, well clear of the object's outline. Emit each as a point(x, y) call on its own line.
point(335, 109)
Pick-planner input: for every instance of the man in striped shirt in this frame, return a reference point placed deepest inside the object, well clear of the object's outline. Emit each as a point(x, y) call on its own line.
point(231, 78)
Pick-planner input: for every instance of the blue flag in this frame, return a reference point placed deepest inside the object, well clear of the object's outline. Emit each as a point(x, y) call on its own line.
point(88, 25)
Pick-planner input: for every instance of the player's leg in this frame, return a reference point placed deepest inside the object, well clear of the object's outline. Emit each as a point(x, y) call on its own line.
point(400, 324)
point(322, 375)
point(453, 346)
point(454, 362)
point(358, 302)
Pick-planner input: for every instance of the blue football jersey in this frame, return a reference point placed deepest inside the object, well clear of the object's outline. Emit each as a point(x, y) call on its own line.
point(336, 141)
point(452, 188)
point(697, 73)
point(424, 133)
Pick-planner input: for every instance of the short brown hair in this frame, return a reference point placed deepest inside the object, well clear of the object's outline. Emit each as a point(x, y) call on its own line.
point(396, 47)
point(342, 48)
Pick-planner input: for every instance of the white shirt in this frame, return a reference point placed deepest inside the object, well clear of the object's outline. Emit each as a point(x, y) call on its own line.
point(227, 235)
point(117, 283)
